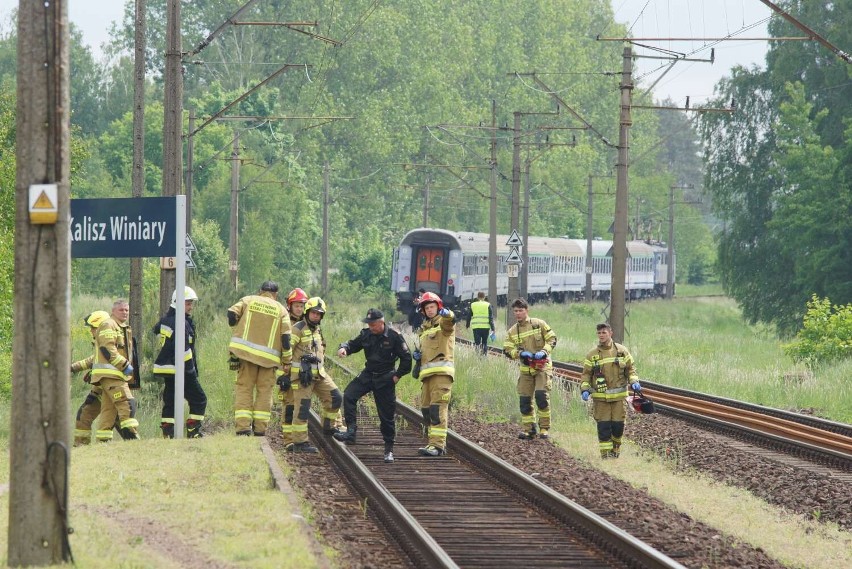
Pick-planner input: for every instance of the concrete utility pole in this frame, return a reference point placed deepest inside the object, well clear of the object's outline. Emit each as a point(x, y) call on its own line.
point(492, 225)
point(190, 145)
point(590, 235)
point(622, 202)
point(325, 203)
point(172, 130)
point(41, 357)
point(426, 202)
point(670, 264)
point(233, 262)
point(138, 172)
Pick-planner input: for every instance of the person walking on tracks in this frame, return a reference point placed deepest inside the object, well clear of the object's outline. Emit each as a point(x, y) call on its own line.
point(311, 377)
point(259, 346)
point(531, 341)
point(164, 367)
point(480, 319)
point(296, 305)
point(607, 371)
point(436, 370)
point(382, 347)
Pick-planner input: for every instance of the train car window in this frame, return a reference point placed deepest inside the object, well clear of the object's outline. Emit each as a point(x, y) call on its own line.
point(438, 261)
point(422, 261)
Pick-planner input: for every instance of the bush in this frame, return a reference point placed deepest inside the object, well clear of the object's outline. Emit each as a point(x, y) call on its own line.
point(826, 335)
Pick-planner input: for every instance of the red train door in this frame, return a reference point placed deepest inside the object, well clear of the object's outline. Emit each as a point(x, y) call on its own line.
point(430, 269)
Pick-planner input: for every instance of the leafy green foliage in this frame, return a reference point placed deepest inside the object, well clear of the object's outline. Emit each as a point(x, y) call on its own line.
point(826, 335)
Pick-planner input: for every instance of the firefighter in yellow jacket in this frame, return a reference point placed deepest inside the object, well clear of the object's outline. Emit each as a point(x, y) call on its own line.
point(531, 341)
point(91, 406)
point(296, 305)
point(607, 371)
point(310, 377)
point(260, 345)
point(111, 370)
point(436, 370)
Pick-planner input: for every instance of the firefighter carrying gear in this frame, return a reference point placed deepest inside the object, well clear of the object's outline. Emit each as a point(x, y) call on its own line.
point(437, 373)
point(531, 341)
point(607, 371)
point(261, 341)
point(113, 349)
point(308, 341)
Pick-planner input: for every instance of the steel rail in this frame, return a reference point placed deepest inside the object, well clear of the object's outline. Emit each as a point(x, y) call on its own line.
point(813, 437)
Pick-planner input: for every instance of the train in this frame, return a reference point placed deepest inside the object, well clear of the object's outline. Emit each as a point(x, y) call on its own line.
point(454, 265)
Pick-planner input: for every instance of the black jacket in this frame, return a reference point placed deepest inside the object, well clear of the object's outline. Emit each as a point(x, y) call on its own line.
point(382, 351)
point(165, 329)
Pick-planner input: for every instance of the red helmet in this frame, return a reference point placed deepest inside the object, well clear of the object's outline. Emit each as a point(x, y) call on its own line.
point(428, 297)
point(296, 295)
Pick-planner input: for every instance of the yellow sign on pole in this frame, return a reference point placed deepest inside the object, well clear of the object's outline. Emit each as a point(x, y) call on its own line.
point(44, 204)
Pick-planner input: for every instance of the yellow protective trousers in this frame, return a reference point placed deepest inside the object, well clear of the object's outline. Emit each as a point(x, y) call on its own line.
point(535, 388)
point(253, 397)
point(115, 405)
point(435, 395)
point(330, 398)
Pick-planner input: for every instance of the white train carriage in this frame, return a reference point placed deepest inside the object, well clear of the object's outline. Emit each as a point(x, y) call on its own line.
point(454, 265)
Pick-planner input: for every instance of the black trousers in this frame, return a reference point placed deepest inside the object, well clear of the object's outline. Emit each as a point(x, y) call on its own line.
point(384, 392)
point(480, 338)
point(192, 392)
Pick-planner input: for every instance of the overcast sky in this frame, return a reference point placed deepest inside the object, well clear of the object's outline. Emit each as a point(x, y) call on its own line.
point(646, 18)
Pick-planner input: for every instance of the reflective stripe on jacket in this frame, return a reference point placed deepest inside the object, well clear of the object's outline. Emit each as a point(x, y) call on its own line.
point(307, 340)
point(532, 335)
point(481, 316)
point(615, 365)
point(113, 345)
point(165, 329)
point(262, 321)
point(437, 343)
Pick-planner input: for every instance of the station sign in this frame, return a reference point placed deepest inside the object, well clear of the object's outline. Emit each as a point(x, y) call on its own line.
point(123, 227)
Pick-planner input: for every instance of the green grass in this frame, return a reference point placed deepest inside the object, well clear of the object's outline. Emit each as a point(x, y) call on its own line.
point(699, 343)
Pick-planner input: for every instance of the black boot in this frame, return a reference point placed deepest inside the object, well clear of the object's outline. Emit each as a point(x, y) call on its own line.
point(531, 434)
point(168, 430)
point(347, 437)
point(302, 447)
point(129, 434)
point(193, 429)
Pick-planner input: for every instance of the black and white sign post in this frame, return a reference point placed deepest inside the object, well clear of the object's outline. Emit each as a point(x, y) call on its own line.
point(513, 265)
point(138, 227)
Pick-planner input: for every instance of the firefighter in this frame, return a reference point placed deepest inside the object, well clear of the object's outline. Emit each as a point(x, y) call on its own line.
point(310, 377)
point(164, 368)
point(607, 371)
point(111, 371)
point(296, 305)
point(260, 345)
point(531, 341)
point(382, 348)
point(434, 354)
point(480, 319)
point(91, 406)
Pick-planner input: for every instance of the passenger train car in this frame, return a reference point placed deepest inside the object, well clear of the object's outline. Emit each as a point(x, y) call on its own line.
point(454, 265)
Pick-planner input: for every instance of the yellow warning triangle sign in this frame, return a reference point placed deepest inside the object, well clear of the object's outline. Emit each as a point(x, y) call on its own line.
point(43, 202)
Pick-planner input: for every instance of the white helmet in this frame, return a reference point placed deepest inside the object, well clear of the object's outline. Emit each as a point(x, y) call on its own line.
point(188, 294)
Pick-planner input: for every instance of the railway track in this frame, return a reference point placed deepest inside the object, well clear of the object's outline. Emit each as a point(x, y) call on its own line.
point(473, 510)
point(825, 442)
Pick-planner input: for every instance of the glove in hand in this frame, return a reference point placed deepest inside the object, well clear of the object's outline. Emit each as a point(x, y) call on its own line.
point(540, 355)
point(233, 363)
point(128, 370)
point(443, 312)
point(585, 395)
point(525, 355)
point(635, 386)
point(284, 382)
point(416, 355)
point(492, 336)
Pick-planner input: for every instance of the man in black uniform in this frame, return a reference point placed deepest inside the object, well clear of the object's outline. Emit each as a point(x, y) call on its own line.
point(382, 347)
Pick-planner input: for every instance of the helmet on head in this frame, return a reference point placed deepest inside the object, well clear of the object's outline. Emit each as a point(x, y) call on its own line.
point(96, 318)
point(188, 294)
point(428, 297)
point(296, 295)
point(315, 303)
